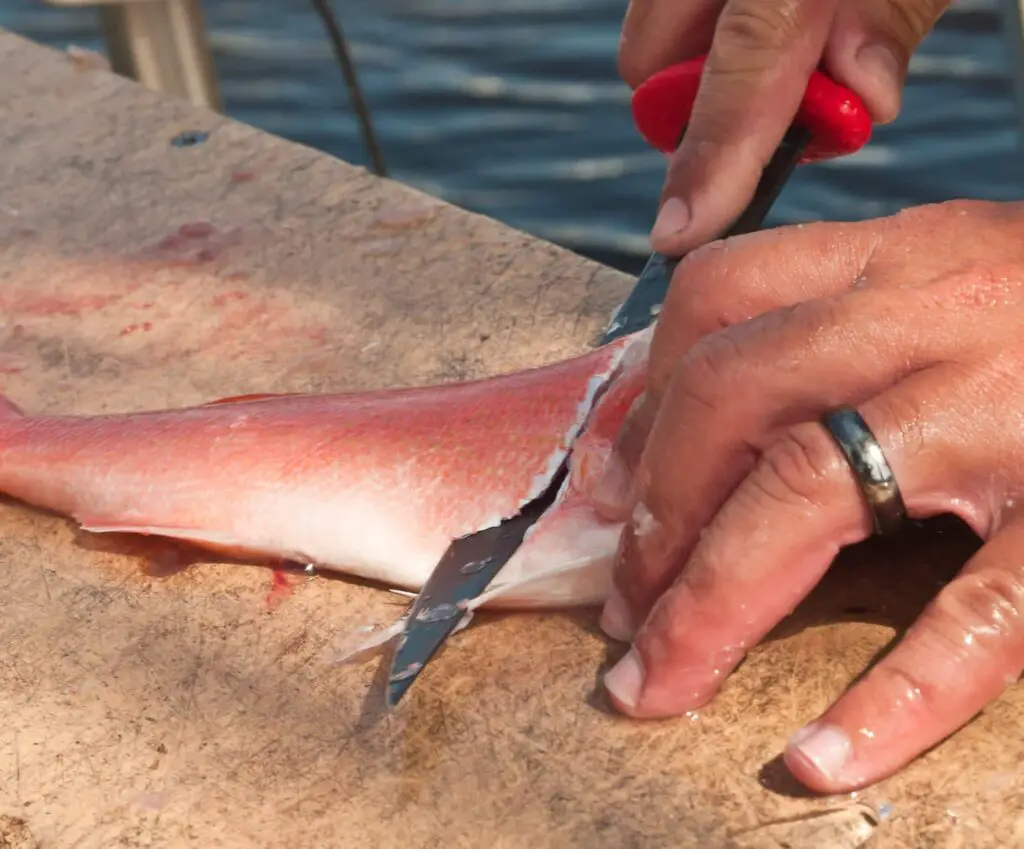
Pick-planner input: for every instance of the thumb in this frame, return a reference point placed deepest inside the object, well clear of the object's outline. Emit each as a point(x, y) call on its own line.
point(761, 57)
point(870, 48)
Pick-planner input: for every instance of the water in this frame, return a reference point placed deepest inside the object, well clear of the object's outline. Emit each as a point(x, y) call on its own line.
point(514, 109)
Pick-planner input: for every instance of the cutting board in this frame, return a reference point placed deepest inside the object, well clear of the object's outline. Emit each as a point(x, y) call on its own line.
point(154, 255)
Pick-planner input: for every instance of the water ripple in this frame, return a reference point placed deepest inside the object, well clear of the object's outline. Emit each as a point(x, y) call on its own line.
point(515, 109)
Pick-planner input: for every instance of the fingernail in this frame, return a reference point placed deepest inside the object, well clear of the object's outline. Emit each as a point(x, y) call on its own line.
point(625, 679)
point(879, 63)
point(825, 748)
point(617, 618)
point(611, 492)
point(672, 219)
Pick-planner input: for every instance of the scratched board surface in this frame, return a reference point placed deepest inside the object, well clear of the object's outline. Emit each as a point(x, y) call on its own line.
point(151, 705)
point(515, 110)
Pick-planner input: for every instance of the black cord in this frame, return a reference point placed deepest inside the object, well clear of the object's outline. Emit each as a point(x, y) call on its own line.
point(348, 70)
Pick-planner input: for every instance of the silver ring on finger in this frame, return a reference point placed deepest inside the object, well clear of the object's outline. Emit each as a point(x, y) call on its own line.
point(867, 461)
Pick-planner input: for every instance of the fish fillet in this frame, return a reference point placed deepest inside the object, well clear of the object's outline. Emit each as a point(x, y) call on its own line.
point(373, 484)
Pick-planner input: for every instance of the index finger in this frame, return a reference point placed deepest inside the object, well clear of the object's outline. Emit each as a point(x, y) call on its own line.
point(658, 33)
point(761, 58)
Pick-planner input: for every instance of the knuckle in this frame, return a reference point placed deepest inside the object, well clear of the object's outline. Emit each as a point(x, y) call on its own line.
point(664, 629)
point(680, 323)
point(629, 57)
point(714, 289)
point(626, 67)
point(707, 373)
point(634, 431)
point(817, 318)
point(972, 619)
point(898, 423)
point(697, 261)
point(751, 32)
point(908, 21)
point(974, 285)
point(701, 297)
point(907, 686)
point(980, 610)
point(649, 558)
point(798, 468)
point(630, 63)
point(640, 52)
point(925, 216)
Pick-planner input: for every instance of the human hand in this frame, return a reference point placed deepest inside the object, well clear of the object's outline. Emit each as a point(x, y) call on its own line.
point(740, 499)
point(761, 56)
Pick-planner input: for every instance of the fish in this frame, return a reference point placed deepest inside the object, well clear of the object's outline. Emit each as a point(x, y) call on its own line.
point(373, 484)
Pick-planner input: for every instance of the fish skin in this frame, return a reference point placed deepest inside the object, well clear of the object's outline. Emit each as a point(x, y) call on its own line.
point(566, 558)
point(373, 484)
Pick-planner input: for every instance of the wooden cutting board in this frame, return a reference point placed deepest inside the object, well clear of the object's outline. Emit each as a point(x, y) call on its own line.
point(153, 255)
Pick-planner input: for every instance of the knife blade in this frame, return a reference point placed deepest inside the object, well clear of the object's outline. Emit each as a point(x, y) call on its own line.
point(641, 305)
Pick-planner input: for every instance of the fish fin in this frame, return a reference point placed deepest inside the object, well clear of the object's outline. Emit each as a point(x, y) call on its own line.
point(464, 622)
point(361, 644)
point(578, 584)
point(255, 396)
point(161, 556)
point(218, 541)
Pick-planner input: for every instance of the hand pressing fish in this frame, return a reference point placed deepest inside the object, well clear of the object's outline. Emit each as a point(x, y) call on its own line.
point(372, 484)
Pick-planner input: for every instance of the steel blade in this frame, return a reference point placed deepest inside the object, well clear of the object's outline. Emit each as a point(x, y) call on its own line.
point(644, 301)
point(468, 565)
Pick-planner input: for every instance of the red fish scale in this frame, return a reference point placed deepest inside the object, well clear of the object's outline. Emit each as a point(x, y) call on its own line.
point(448, 458)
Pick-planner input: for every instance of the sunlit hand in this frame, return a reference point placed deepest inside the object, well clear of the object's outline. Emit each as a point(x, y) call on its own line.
point(741, 499)
point(761, 55)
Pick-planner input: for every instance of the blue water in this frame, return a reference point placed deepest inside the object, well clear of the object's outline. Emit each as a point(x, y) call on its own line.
point(514, 109)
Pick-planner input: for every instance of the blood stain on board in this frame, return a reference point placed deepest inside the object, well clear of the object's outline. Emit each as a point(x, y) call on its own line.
point(193, 243)
point(227, 297)
point(12, 364)
point(173, 242)
point(281, 587)
point(196, 230)
point(128, 329)
point(243, 176)
point(11, 361)
point(238, 323)
point(50, 305)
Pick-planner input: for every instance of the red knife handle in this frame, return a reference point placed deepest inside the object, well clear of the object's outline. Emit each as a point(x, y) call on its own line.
point(836, 118)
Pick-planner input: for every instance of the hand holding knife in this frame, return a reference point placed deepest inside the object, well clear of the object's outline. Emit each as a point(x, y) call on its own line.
point(831, 122)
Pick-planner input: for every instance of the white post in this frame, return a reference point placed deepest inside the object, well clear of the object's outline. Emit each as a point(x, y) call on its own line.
point(161, 44)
